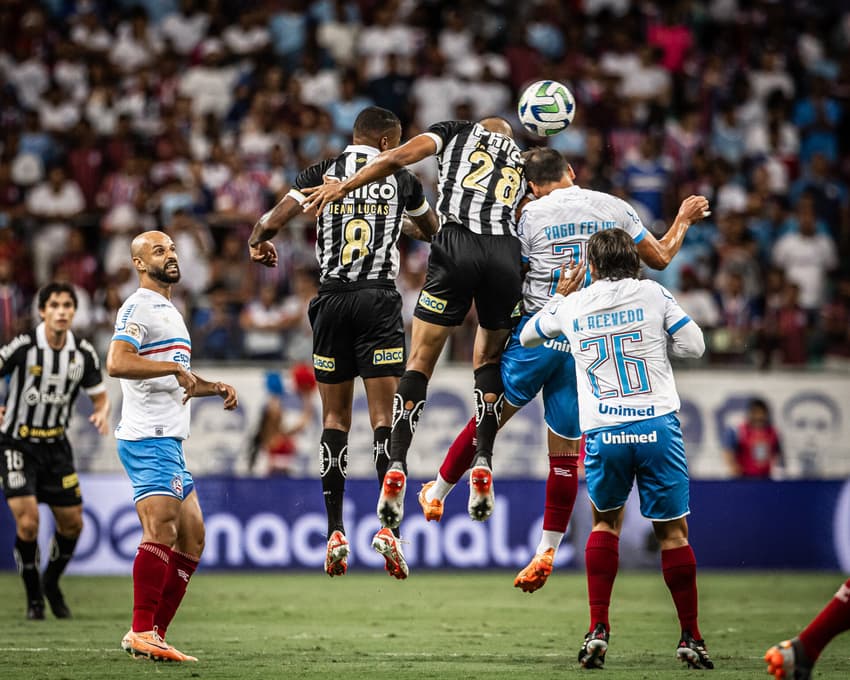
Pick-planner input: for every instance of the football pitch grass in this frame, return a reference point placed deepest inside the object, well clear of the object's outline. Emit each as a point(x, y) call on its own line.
point(434, 625)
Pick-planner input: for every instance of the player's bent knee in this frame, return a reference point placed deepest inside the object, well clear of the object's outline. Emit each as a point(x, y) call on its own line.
point(27, 530)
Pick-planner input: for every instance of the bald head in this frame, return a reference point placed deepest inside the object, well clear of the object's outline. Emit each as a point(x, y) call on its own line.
point(155, 258)
point(144, 243)
point(498, 125)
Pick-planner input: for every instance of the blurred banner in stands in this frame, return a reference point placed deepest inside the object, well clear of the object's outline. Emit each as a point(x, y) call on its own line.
point(280, 524)
point(810, 409)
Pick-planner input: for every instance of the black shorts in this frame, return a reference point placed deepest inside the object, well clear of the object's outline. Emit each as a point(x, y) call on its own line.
point(464, 266)
point(44, 470)
point(357, 330)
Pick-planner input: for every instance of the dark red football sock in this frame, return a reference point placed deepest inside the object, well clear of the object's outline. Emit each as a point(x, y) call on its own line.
point(460, 455)
point(561, 491)
point(149, 569)
point(833, 619)
point(679, 566)
point(602, 559)
point(181, 566)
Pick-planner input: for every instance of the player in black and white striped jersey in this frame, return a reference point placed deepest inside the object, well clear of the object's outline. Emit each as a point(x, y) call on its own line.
point(476, 256)
point(356, 317)
point(47, 367)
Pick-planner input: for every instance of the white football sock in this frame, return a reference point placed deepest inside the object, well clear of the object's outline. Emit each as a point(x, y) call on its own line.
point(549, 539)
point(439, 489)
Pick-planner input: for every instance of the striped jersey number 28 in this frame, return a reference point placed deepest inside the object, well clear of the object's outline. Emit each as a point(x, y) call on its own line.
point(478, 178)
point(631, 371)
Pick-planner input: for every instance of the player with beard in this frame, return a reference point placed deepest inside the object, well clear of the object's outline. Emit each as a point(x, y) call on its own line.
point(151, 353)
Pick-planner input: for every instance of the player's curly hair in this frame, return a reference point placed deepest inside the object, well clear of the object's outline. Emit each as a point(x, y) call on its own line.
point(614, 255)
point(373, 120)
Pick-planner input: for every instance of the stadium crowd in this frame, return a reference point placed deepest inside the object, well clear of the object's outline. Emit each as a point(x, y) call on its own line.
point(195, 116)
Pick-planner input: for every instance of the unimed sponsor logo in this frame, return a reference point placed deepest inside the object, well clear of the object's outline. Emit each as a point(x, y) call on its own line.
point(389, 355)
point(321, 363)
point(432, 303)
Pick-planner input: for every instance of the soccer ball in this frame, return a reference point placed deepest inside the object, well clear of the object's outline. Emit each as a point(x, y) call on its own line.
point(546, 107)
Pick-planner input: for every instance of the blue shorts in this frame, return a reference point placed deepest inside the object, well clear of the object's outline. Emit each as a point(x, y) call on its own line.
point(614, 458)
point(550, 367)
point(156, 467)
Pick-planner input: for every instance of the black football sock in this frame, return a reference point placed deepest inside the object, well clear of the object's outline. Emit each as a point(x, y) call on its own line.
point(334, 462)
point(61, 551)
point(489, 398)
point(27, 558)
point(407, 407)
point(381, 451)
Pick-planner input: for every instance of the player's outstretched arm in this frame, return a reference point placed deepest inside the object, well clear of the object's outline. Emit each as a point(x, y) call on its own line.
point(100, 417)
point(205, 388)
point(658, 253)
point(383, 165)
point(123, 361)
point(266, 229)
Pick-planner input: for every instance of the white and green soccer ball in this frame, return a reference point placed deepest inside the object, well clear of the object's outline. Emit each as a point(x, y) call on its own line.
point(546, 107)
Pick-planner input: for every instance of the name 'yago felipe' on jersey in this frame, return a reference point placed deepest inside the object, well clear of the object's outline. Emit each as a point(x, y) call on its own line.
point(480, 177)
point(554, 230)
point(357, 235)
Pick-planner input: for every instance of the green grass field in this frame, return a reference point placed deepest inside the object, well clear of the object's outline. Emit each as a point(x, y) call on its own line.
point(434, 625)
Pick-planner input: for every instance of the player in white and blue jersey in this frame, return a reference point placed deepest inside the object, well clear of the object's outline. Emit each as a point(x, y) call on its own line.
point(619, 328)
point(151, 353)
point(553, 230)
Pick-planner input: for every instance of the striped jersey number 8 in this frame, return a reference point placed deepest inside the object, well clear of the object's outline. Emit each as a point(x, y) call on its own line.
point(576, 253)
point(477, 178)
point(632, 373)
point(357, 236)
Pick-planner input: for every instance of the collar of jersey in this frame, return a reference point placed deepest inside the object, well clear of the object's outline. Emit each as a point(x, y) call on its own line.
point(41, 338)
point(362, 148)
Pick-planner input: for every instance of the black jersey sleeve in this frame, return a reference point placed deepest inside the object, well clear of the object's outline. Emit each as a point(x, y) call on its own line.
point(92, 375)
point(411, 193)
point(312, 176)
point(14, 354)
point(448, 129)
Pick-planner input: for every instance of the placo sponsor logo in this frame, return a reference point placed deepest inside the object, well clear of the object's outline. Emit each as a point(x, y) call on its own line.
point(389, 355)
point(321, 363)
point(432, 303)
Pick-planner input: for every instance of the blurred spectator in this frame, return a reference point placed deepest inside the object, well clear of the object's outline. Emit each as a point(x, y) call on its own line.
point(216, 327)
point(185, 29)
point(210, 84)
point(298, 333)
point(697, 300)
point(79, 262)
point(752, 449)
point(737, 313)
point(262, 322)
point(248, 37)
point(273, 445)
point(13, 305)
point(53, 204)
point(807, 257)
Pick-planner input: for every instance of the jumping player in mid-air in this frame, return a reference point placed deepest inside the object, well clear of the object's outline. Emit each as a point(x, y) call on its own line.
point(356, 317)
point(476, 256)
point(553, 230)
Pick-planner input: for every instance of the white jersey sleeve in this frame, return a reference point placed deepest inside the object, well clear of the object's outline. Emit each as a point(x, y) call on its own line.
point(153, 407)
point(686, 335)
point(554, 230)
